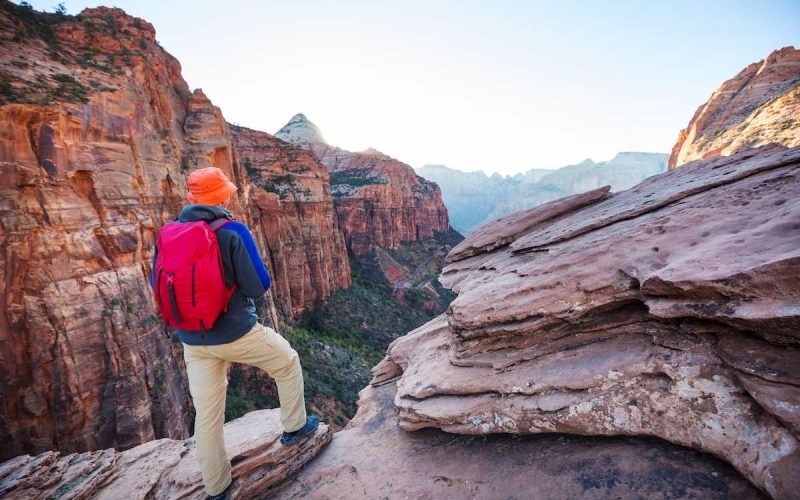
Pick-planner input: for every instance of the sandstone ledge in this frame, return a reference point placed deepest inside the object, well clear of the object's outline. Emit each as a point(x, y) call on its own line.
point(373, 458)
point(165, 468)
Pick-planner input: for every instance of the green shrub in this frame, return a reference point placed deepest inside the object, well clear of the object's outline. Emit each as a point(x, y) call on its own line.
point(68, 89)
point(345, 182)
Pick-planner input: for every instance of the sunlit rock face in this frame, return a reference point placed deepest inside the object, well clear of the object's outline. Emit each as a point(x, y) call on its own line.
point(164, 468)
point(758, 106)
point(294, 207)
point(89, 177)
point(379, 201)
point(300, 132)
point(668, 310)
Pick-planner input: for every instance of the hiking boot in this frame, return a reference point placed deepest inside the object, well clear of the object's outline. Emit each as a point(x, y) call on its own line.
point(225, 495)
point(290, 438)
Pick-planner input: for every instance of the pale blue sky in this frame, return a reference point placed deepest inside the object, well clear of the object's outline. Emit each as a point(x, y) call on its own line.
point(494, 85)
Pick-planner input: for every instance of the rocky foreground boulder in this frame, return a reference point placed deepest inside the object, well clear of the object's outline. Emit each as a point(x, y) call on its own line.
point(669, 310)
point(374, 458)
point(164, 468)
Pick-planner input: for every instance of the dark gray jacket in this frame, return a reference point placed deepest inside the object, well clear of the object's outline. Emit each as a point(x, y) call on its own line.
point(242, 265)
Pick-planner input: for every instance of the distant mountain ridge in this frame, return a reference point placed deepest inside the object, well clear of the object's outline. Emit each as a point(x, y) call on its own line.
point(473, 198)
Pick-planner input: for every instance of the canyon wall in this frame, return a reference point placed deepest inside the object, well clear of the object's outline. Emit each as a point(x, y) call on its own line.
point(758, 106)
point(379, 201)
point(98, 133)
point(303, 240)
point(90, 157)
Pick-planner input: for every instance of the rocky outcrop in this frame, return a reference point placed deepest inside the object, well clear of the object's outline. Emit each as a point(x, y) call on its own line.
point(304, 243)
point(379, 201)
point(164, 468)
point(373, 458)
point(668, 310)
point(758, 106)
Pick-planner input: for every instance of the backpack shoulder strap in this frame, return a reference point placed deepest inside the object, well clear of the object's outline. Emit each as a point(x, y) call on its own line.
point(217, 224)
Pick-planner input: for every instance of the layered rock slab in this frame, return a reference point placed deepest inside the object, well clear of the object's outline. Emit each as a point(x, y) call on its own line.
point(669, 310)
point(373, 458)
point(165, 468)
point(504, 230)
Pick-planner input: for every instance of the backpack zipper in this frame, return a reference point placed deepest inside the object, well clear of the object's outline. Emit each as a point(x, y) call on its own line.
point(193, 302)
point(158, 285)
point(172, 299)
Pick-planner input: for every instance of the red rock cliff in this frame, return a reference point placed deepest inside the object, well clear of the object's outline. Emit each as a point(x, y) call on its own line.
point(90, 154)
point(379, 200)
point(758, 106)
point(98, 132)
point(294, 207)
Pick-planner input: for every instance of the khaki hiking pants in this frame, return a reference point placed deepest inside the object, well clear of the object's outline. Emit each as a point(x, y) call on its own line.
point(207, 367)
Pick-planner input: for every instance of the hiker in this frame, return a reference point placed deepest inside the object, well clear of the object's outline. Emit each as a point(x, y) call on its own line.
point(204, 287)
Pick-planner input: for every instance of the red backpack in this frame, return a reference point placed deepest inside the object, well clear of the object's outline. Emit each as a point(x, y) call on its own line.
point(189, 284)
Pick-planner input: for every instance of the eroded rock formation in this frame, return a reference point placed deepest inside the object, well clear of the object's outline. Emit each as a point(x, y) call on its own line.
point(164, 468)
point(379, 201)
point(668, 310)
point(758, 106)
point(295, 210)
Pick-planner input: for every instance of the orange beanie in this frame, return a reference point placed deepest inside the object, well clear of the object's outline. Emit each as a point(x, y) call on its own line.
point(209, 186)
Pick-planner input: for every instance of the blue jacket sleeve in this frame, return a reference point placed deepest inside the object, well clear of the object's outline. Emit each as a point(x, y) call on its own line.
point(252, 276)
